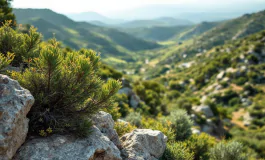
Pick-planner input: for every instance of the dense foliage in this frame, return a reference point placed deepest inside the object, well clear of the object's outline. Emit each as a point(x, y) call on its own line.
point(65, 85)
point(220, 91)
point(6, 13)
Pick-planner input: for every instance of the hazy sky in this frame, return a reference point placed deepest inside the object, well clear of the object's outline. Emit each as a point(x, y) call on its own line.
point(106, 6)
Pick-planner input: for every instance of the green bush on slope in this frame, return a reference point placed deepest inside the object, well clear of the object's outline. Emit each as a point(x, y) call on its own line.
point(66, 87)
point(228, 151)
point(181, 123)
point(25, 46)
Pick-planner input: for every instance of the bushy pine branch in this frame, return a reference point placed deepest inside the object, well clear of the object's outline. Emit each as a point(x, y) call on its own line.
point(24, 46)
point(6, 60)
point(66, 88)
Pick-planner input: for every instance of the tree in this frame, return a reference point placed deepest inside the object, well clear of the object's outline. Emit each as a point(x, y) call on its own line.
point(6, 13)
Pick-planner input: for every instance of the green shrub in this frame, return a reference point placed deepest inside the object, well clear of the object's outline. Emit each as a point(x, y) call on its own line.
point(200, 145)
point(224, 84)
point(134, 118)
point(6, 13)
point(234, 101)
point(24, 46)
point(240, 81)
point(106, 72)
point(123, 104)
point(6, 60)
point(151, 93)
point(228, 151)
point(164, 126)
point(184, 103)
point(258, 47)
point(123, 128)
point(174, 85)
point(66, 88)
point(250, 89)
point(173, 94)
point(181, 123)
point(253, 59)
point(114, 110)
point(177, 151)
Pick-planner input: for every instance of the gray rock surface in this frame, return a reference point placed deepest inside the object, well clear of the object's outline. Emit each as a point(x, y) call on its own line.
point(143, 144)
point(59, 147)
point(15, 103)
point(220, 75)
point(105, 124)
point(195, 131)
point(134, 101)
point(205, 109)
point(247, 119)
point(126, 90)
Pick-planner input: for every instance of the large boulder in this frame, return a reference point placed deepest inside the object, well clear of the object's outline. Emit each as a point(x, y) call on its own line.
point(95, 147)
point(105, 124)
point(15, 103)
point(143, 144)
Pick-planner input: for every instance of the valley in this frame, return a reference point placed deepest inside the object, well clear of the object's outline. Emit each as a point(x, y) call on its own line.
point(198, 80)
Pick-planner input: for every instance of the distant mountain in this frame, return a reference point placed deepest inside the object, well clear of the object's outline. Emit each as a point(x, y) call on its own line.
point(162, 21)
point(110, 42)
point(196, 12)
point(99, 23)
point(93, 16)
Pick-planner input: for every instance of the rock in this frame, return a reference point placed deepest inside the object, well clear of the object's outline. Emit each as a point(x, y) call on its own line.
point(218, 87)
point(195, 131)
point(226, 79)
point(247, 119)
point(123, 121)
point(134, 101)
point(105, 124)
point(143, 144)
point(15, 103)
point(220, 75)
point(205, 109)
point(11, 68)
point(193, 117)
point(126, 90)
point(66, 147)
point(203, 99)
point(209, 127)
point(125, 82)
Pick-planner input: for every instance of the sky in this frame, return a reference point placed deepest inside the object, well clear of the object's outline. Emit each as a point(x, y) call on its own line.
point(108, 6)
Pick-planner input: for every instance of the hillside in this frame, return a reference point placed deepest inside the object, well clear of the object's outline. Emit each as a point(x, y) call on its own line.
point(232, 30)
point(228, 79)
point(158, 22)
point(211, 35)
point(175, 33)
point(110, 42)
